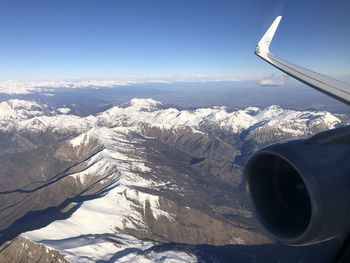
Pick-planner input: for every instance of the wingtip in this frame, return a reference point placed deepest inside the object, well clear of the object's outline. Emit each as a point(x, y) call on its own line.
point(264, 43)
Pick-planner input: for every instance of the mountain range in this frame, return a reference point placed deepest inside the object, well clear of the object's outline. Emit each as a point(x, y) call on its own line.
point(139, 182)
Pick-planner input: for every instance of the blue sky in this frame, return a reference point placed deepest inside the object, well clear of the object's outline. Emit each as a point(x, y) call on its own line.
point(70, 39)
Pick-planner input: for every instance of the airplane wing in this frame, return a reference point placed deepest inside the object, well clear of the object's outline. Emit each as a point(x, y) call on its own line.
point(332, 87)
point(299, 189)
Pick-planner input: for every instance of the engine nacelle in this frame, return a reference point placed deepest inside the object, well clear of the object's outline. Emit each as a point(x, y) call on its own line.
point(300, 189)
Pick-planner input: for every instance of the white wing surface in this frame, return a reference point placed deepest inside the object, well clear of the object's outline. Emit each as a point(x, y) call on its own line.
point(332, 87)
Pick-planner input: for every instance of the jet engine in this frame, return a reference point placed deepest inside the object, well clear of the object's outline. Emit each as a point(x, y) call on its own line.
point(300, 189)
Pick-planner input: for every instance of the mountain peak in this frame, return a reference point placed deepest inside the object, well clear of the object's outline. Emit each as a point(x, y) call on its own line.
point(20, 109)
point(145, 103)
point(20, 104)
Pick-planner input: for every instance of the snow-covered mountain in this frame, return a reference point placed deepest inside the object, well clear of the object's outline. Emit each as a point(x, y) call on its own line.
point(19, 110)
point(29, 115)
point(117, 185)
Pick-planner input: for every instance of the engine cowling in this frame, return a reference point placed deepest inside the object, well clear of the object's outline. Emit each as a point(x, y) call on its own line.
point(300, 189)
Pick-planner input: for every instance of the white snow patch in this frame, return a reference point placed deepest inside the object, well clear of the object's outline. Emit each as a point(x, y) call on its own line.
point(164, 257)
point(81, 235)
point(81, 140)
point(63, 110)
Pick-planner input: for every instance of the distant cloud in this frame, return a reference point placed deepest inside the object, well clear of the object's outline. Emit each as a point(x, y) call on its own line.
point(28, 87)
point(273, 80)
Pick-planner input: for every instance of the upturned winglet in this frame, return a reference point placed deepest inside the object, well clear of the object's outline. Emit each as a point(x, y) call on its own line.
point(265, 41)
